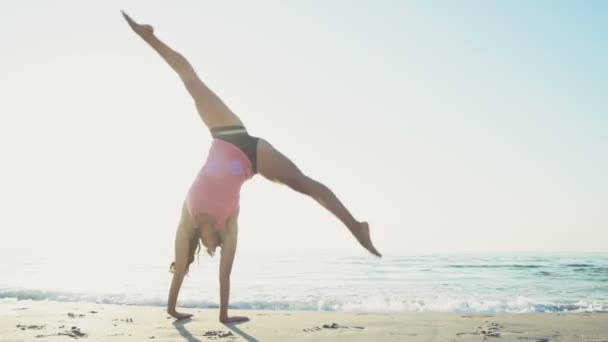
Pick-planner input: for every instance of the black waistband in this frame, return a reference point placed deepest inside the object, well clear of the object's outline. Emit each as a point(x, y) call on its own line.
point(227, 130)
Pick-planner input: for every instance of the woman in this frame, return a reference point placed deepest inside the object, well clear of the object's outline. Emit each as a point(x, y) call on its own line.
point(211, 207)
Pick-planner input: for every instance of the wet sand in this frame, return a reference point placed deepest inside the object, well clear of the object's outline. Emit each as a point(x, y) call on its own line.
point(56, 321)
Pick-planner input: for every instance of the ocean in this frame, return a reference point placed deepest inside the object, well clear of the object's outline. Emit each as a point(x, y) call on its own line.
point(464, 283)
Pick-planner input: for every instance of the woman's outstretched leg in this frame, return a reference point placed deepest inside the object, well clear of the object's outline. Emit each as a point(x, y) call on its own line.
point(210, 107)
point(274, 166)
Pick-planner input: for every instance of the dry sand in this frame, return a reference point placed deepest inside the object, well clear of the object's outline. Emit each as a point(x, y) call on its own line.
point(53, 321)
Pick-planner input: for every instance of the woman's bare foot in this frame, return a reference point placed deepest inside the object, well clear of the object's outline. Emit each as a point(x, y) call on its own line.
point(233, 319)
point(141, 29)
point(365, 240)
point(178, 315)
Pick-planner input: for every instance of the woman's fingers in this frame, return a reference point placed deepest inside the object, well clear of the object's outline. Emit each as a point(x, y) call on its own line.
point(179, 316)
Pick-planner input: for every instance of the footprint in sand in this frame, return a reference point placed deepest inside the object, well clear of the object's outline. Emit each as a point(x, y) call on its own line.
point(124, 320)
point(487, 329)
point(215, 334)
point(73, 332)
point(30, 327)
point(330, 326)
point(72, 315)
point(313, 329)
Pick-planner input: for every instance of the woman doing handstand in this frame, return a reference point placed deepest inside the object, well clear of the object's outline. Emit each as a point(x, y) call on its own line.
point(211, 207)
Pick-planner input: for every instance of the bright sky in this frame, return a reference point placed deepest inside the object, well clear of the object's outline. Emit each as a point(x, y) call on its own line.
point(449, 126)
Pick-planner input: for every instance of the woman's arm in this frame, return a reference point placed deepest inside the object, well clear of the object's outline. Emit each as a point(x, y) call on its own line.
point(229, 240)
point(176, 284)
point(182, 243)
point(211, 108)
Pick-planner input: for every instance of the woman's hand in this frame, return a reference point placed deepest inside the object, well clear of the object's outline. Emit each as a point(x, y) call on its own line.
point(178, 315)
point(233, 319)
point(144, 31)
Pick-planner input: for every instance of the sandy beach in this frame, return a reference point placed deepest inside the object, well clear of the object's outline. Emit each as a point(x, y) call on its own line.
point(56, 321)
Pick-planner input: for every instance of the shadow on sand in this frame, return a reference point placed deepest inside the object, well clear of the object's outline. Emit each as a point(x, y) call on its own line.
point(179, 325)
point(236, 330)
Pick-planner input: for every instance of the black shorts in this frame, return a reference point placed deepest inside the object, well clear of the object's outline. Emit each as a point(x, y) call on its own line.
point(238, 136)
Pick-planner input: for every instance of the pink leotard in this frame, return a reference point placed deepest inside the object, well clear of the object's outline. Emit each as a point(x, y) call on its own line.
point(217, 186)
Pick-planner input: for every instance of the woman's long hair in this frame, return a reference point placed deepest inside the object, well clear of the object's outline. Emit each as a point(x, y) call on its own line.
point(194, 246)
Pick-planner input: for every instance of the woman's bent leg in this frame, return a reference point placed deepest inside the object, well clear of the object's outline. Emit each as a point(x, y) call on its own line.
point(275, 166)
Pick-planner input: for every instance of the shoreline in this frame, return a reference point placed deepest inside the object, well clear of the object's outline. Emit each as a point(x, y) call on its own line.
point(46, 320)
